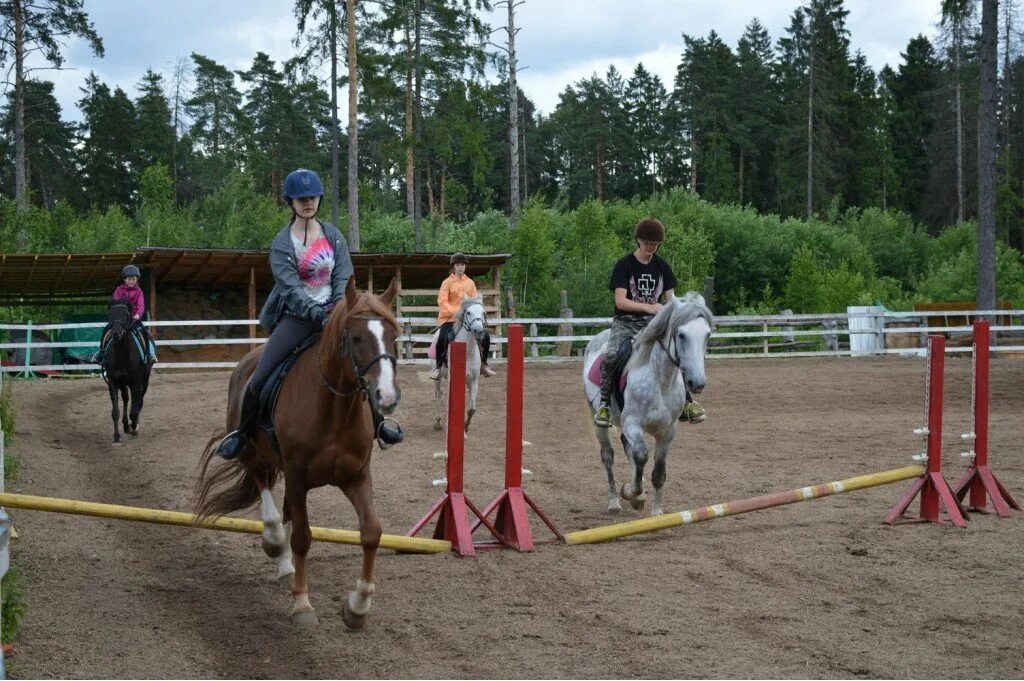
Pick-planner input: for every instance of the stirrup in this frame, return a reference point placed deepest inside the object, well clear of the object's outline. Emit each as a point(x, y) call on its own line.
point(693, 413)
point(386, 437)
point(232, 445)
point(603, 417)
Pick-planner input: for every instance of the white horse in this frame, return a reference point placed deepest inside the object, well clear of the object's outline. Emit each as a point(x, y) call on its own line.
point(667, 361)
point(470, 327)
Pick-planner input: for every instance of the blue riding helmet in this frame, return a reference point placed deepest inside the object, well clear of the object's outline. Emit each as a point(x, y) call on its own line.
point(130, 271)
point(302, 183)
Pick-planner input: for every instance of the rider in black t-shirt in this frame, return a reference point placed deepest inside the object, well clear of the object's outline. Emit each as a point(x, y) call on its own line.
point(640, 280)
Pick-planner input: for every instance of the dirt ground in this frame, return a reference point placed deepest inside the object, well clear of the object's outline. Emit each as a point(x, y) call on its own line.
point(821, 589)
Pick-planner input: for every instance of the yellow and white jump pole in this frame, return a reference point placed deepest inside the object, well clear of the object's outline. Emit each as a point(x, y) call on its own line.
point(150, 515)
point(662, 522)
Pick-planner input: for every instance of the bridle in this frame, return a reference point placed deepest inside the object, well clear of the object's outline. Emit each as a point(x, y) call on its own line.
point(468, 326)
point(345, 351)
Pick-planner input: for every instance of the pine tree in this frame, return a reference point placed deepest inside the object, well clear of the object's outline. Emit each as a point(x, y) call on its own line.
point(37, 27)
point(214, 110)
point(49, 146)
point(154, 131)
point(910, 125)
point(266, 113)
point(105, 152)
point(644, 104)
point(756, 111)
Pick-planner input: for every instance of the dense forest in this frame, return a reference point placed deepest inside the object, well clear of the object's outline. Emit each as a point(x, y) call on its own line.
point(777, 157)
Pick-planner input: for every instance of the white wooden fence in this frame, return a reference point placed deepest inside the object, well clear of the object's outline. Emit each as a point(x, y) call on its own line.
point(795, 335)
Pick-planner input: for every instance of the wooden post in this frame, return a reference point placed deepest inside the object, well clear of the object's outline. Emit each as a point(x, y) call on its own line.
point(766, 338)
point(534, 352)
point(152, 300)
point(369, 282)
point(407, 327)
point(252, 306)
point(709, 292)
point(496, 281)
point(564, 348)
point(510, 304)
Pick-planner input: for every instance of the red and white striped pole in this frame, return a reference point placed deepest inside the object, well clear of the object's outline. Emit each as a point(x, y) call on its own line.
point(979, 479)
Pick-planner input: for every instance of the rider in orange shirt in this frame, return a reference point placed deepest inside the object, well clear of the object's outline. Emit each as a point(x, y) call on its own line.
point(456, 287)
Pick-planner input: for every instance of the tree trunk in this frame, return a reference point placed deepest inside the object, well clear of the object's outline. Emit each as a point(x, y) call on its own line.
point(417, 218)
point(598, 172)
point(959, 134)
point(20, 169)
point(987, 159)
point(810, 137)
point(513, 117)
point(353, 131)
point(410, 162)
point(693, 165)
point(335, 125)
point(430, 191)
point(525, 166)
point(741, 175)
point(441, 206)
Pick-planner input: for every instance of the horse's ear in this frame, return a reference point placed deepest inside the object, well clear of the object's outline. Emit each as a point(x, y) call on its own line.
point(350, 292)
point(389, 294)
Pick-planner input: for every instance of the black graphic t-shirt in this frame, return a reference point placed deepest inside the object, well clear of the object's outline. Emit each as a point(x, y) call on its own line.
point(643, 283)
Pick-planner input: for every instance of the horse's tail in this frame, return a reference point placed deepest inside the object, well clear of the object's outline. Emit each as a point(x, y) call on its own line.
point(225, 489)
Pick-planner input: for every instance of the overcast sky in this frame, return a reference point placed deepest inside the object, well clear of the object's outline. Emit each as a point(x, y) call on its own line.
point(561, 41)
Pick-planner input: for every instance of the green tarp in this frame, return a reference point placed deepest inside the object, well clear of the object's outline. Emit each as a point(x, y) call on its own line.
point(80, 354)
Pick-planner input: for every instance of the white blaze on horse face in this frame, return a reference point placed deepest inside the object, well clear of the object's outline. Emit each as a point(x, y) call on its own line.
point(692, 346)
point(387, 385)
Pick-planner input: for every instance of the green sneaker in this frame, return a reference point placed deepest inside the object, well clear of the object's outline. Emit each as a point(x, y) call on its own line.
point(603, 417)
point(693, 412)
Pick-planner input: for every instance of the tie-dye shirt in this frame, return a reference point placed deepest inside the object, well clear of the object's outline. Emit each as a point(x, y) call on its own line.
point(315, 263)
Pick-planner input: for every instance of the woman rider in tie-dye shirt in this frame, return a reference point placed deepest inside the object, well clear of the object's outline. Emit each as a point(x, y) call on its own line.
point(311, 266)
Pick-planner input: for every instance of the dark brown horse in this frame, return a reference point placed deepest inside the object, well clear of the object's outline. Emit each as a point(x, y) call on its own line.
point(324, 425)
point(124, 368)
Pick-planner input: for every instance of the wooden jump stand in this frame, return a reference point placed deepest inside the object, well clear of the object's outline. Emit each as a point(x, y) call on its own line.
point(979, 480)
point(936, 494)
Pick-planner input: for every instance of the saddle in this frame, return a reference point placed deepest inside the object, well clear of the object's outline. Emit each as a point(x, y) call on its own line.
point(272, 388)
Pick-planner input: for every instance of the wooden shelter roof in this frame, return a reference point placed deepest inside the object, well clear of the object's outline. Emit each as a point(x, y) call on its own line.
point(44, 277)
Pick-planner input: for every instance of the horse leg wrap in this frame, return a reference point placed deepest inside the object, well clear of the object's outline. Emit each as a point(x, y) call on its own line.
point(359, 600)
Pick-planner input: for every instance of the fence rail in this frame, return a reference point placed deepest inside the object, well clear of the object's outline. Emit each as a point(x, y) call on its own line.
point(772, 336)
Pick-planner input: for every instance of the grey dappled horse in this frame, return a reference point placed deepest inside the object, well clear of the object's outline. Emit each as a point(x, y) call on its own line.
point(667, 360)
point(470, 327)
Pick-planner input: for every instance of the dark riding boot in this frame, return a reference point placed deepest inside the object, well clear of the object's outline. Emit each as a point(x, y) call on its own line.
point(386, 436)
point(235, 441)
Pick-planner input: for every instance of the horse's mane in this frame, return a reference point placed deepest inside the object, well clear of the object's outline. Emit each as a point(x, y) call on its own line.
point(365, 302)
point(676, 312)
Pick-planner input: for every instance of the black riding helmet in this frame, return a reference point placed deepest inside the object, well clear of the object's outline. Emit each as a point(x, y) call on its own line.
point(130, 271)
point(457, 258)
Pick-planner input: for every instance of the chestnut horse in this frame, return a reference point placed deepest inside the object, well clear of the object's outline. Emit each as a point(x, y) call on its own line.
point(324, 426)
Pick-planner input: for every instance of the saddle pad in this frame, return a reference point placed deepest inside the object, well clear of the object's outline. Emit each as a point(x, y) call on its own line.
point(432, 350)
point(594, 375)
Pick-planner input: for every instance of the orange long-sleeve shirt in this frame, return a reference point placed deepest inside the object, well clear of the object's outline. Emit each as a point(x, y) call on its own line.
point(453, 290)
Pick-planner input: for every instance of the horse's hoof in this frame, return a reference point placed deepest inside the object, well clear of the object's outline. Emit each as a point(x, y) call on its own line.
point(657, 511)
point(286, 580)
point(351, 619)
point(305, 619)
point(438, 427)
point(637, 504)
point(614, 509)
